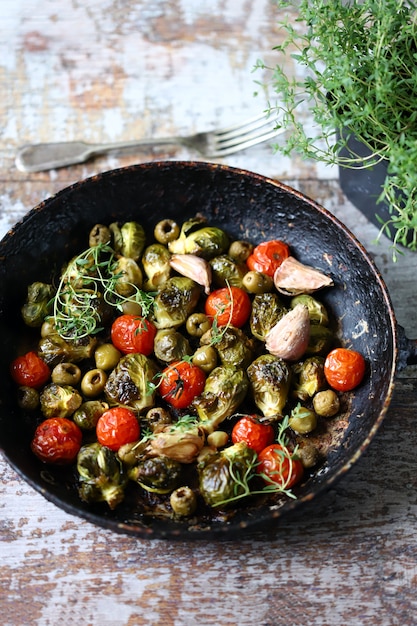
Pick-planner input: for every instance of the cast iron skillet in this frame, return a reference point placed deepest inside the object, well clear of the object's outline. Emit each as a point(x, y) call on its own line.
point(248, 206)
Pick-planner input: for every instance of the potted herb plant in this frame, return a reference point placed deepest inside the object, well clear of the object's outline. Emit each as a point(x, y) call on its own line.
point(356, 72)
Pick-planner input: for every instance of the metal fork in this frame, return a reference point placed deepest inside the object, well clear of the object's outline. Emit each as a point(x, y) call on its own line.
point(212, 144)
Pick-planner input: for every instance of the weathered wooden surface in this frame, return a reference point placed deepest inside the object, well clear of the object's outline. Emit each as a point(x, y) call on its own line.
point(106, 70)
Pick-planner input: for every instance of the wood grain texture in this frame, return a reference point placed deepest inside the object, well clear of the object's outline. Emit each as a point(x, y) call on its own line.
point(109, 70)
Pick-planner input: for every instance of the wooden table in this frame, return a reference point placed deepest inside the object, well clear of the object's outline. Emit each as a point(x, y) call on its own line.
point(107, 70)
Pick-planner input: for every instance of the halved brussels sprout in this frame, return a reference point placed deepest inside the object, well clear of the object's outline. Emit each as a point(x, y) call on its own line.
point(206, 242)
point(158, 474)
point(227, 271)
point(38, 304)
point(129, 382)
point(128, 275)
point(269, 379)
point(170, 345)
point(155, 262)
point(59, 400)
point(267, 310)
point(129, 239)
point(175, 301)
point(101, 475)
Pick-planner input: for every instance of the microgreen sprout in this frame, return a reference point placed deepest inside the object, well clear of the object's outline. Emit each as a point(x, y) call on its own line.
point(90, 278)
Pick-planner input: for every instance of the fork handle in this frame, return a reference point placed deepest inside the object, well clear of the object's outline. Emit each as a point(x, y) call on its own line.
point(47, 156)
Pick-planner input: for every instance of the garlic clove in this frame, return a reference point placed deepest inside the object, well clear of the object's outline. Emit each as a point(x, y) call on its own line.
point(292, 278)
point(288, 339)
point(194, 267)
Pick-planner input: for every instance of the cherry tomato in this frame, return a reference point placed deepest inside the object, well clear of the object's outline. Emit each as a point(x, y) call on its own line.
point(116, 427)
point(253, 432)
point(181, 382)
point(229, 305)
point(344, 369)
point(267, 256)
point(276, 464)
point(30, 370)
point(57, 440)
point(132, 333)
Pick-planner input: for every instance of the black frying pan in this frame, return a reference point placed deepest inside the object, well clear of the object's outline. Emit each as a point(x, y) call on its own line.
point(248, 206)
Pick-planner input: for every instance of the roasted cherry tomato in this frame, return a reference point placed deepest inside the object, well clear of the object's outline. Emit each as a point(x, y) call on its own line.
point(116, 427)
point(254, 433)
point(57, 440)
point(132, 333)
point(229, 306)
point(181, 382)
point(344, 369)
point(278, 467)
point(30, 370)
point(267, 256)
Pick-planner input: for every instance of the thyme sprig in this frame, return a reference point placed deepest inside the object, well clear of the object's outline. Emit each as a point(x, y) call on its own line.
point(355, 70)
point(89, 279)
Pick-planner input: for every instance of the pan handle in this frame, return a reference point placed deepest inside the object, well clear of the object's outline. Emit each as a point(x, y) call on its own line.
point(407, 349)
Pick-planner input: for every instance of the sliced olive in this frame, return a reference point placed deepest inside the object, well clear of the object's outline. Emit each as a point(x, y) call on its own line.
point(93, 382)
point(166, 230)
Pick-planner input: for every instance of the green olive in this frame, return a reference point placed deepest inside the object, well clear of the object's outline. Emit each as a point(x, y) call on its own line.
point(131, 308)
point(255, 282)
point(326, 403)
point(302, 420)
point(107, 356)
point(66, 374)
point(183, 501)
point(157, 418)
point(240, 250)
point(93, 382)
point(197, 324)
point(206, 358)
point(166, 231)
point(28, 398)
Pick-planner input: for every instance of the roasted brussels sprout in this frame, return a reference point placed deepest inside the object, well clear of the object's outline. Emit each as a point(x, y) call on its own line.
point(53, 349)
point(170, 345)
point(225, 476)
point(310, 378)
point(99, 235)
point(302, 420)
point(320, 340)
point(183, 501)
point(175, 301)
point(59, 400)
point(158, 474)
point(181, 441)
point(233, 347)
point(326, 403)
point(129, 239)
point(267, 310)
point(155, 262)
point(226, 271)
point(269, 378)
point(28, 398)
point(128, 383)
point(101, 475)
point(38, 304)
point(206, 242)
point(166, 230)
point(66, 374)
point(316, 310)
point(224, 390)
point(127, 275)
point(88, 414)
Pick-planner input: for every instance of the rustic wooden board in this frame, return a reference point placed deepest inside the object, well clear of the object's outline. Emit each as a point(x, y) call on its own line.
point(111, 70)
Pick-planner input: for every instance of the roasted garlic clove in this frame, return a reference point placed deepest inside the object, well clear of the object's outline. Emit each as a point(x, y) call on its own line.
point(288, 339)
point(292, 278)
point(193, 266)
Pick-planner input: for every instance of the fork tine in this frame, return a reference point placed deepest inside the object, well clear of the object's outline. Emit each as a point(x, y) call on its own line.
point(243, 127)
point(238, 143)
